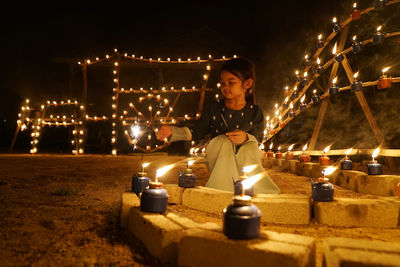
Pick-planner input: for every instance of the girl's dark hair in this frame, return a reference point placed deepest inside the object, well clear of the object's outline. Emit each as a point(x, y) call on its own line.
point(244, 69)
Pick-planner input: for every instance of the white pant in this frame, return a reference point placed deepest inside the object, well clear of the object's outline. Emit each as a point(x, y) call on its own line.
point(225, 164)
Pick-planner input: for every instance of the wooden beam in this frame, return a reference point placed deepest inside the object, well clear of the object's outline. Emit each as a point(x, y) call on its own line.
point(342, 152)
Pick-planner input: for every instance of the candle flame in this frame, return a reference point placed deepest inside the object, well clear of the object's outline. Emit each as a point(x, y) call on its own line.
point(144, 165)
point(305, 74)
point(296, 72)
point(379, 28)
point(271, 145)
point(320, 36)
point(262, 147)
point(334, 20)
point(385, 69)
point(190, 162)
point(249, 182)
point(249, 168)
point(329, 170)
point(279, 148)
point(286, 87)
point(290, 147)
point(318, 61)
point(376, 152)
point(334, 49)
point(354, 37)
point(191, 150)
point(160, 172)
point(306, 57)
point(196, 149)
point(326, 149)
point(356, 75)
point(305, 147)
point(355, 5)
point(291, 105)
point(315, 91)
point(276, 105)
point(348, 151)
point(286, 99)
point(334, 80)
point(277, 113)
point(303, 98)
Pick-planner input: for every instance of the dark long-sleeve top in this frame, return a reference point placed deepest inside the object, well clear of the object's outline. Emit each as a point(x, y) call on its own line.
point(217, 119)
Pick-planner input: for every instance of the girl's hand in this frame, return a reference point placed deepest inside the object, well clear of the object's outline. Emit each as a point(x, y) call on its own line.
point(164, 132)
point(237, 136)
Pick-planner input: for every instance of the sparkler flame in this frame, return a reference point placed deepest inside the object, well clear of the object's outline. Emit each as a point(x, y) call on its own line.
point(329, 170)
point(249, 182)
point(326, 149)
point(376, 152)
point(385, 69)
point(249, 168)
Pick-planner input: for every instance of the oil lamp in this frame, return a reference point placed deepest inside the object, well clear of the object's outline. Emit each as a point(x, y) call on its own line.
point(324, 159)
point(238, 185)
point(320, 42)
point(291, 113)
point(384, 81)
point(295, 94)
point(307, 61)
point(319, 68)
point(334, 89)
point(374, 168)
point(304, 82)
point(155, 198)
point(322, 190)
point(355, 45)
point(298, 77)
point(303, 105)
point(335, 26)
point(315, 97)
point(287, 93)
point(241, 219)
point(289, 153)
point(140, 181)
point(356, 14)
point(379, 4)
point(338, 57)
point(378, 35)
point(270, 153)
point(304, 157)
point(346, 163)
point(278, 153)
point(187, 179)
point(356, 85)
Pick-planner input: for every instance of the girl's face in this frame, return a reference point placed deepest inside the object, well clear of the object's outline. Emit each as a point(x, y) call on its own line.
point(232, 87)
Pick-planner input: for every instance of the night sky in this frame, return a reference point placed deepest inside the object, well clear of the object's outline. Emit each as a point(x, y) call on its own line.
point(37, 41)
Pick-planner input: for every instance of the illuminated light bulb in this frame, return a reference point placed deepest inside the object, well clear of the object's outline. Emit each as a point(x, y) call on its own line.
point(23, 108)
point(107, 56)
point(168, 59)
point(88, 61)
point(115, 50)
point(133, 55)
point(79, 63)
point(234, 56)
point(97, 58)
point(179, 60)
point(126, 54)
point(115, 72)
point(55, 102)
point(189, 59)
point(159, 59)
point(150, 59)
point(158, 112)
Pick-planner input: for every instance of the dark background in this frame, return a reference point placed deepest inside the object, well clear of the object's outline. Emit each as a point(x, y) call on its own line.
point(39, 42)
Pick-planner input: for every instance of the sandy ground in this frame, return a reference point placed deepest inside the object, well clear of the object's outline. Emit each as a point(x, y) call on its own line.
point(64, 210)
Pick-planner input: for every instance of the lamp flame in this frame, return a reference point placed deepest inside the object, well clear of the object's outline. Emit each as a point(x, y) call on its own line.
point(160, 172)
point(355, 5)
point(189, 163)
point(334, 49)
point(291, 105)
point(303, 98)
point(286, 99)
point(144, 165)
point(249, 168)
point(305, 147)
point(290, 147)
point(326, 149)
point(348, 151)
point(249, 182)
point(271, 145)
point(376, 152)
point(379, 28)
point(385, 69)
point(329, 170)
point(356, 75)
point(318, 61)
point(320, 36)
point(262, 147)
point(315, 91)
point(354, 37)
point(334, 80)
point(279, 148)
point(305, 74)
point(334, 20)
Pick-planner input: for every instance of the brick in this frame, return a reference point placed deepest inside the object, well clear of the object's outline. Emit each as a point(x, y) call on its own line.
point(174, 193)
point(206, 199)
point(267, 162)
point(159, 235)
point(349, 179)
point(284, 208)
point(128, 200)
point(208, 248)
point(187, 223)
point(380, 185)
point(348, 212)
point(358, 252)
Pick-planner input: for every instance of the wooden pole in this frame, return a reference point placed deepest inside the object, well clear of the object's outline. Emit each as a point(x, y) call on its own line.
point(324, 104)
